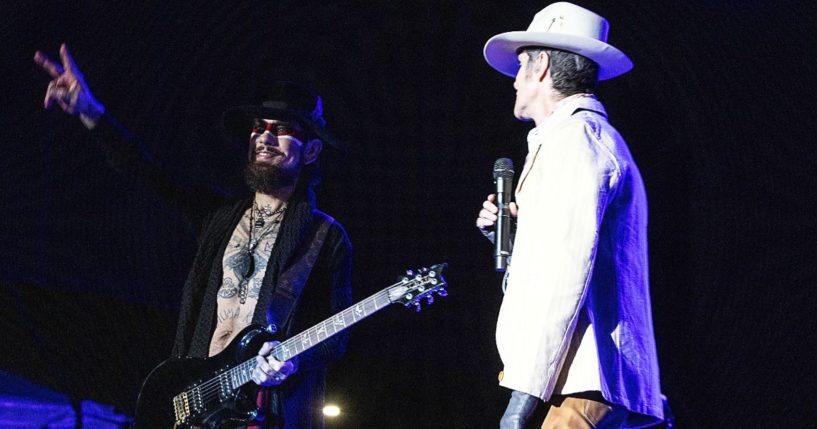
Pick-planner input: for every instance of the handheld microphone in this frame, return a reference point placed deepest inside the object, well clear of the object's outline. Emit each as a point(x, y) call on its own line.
point(503, 179)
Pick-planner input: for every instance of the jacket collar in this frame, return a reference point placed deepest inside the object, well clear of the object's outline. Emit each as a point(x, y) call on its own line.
point(563, 110)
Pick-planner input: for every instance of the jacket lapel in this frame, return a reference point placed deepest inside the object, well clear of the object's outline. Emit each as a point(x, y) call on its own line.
point(527, 168)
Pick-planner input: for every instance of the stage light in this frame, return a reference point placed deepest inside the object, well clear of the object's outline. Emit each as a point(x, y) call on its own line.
point(331, 410)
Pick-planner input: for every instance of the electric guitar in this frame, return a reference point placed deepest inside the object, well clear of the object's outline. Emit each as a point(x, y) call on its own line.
point(217, 391)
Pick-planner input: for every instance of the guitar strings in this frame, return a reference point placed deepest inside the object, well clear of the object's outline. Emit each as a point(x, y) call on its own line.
point(210, 389)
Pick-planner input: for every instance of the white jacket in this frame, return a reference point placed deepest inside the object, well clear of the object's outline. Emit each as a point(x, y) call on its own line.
point(580, 251)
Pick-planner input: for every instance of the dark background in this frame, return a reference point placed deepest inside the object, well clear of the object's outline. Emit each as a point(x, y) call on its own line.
point(718, 113)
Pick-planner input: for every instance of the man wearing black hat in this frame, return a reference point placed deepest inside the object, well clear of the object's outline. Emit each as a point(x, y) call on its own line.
point(270, 258)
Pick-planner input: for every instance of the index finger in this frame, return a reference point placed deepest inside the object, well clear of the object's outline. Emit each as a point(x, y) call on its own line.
point(267, 348)
point(490, 206)
point(67, 60)
point(54, 69)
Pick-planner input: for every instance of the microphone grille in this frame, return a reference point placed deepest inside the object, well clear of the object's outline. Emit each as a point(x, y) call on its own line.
point(503, 167)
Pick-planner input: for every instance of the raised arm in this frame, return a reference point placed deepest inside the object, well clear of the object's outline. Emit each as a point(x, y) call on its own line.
point(68, 88)
point(124, 151)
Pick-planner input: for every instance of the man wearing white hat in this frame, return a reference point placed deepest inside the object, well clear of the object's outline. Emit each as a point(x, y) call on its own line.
point(575, 326)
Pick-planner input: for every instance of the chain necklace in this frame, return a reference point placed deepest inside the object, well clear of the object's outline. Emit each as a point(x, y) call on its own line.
point(247, 256)
point(266, 213)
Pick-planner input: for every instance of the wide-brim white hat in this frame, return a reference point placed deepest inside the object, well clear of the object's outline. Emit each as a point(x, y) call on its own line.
point(562, 26)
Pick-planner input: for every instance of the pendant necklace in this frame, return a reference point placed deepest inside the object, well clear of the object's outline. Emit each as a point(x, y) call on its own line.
point(248, 259)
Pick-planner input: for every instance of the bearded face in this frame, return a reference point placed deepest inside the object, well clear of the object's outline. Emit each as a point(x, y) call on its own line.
point(276, 155)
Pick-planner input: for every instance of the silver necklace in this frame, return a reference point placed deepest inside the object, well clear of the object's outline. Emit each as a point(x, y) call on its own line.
point(247, 258)
point(265, 213)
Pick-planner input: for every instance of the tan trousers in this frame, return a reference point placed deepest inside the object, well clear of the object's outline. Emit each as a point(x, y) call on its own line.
point(587, 410)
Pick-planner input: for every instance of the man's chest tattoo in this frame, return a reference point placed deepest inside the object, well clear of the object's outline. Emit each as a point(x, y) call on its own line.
point(228, 289)
point(255, 288)
point(227, 314)
point(245, 260)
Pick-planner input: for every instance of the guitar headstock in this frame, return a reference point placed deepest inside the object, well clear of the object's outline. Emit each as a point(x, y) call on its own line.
point(417, 285)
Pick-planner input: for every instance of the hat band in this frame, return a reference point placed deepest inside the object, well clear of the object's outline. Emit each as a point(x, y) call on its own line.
point(315, 116)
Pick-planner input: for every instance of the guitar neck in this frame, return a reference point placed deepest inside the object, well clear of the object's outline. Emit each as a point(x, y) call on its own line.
point(190, 404)
point(331, 326)
point(315, 335)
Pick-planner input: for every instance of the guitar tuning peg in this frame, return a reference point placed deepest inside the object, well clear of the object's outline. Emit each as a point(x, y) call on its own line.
point(430, 299)
point(417, 307)
point(410, 273)
point(424, 270)
point(442, 292)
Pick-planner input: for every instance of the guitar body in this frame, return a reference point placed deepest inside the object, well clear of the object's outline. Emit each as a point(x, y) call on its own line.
point(216, 408)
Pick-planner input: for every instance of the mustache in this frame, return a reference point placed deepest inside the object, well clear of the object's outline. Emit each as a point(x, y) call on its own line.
point(266, 149)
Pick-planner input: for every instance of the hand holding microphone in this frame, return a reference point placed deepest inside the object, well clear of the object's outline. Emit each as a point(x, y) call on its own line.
point(494, 218)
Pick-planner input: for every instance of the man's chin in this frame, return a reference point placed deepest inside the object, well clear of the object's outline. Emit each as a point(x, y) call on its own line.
point(263, 163)
point(265, 177)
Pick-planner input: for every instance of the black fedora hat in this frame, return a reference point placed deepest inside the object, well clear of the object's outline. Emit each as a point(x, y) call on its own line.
point(287, 101)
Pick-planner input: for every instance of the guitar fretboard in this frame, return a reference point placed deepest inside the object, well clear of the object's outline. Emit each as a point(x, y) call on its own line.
point(197, 399)
point(316, 334)
point(240, 375)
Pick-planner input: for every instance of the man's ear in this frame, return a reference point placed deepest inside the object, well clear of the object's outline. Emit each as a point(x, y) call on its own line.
point(312, 150)
point(542, 67)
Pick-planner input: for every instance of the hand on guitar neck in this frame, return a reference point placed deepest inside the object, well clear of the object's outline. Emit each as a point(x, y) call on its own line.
point(270, 371)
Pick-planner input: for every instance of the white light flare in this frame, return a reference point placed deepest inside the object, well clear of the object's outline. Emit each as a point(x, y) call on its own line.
point(331, 410)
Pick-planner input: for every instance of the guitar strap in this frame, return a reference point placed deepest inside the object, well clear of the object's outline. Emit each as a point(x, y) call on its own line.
point(292, 280)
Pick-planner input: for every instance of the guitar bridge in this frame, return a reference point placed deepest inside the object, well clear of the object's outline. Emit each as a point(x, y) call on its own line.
point(181, 407)
point(186, 404)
